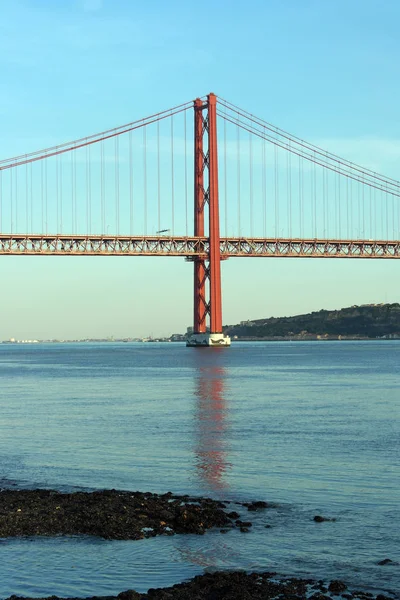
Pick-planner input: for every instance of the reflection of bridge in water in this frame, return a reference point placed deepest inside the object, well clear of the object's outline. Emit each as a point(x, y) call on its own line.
point(210, 451)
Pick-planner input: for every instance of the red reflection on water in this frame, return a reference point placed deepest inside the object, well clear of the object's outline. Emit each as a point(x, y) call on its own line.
point(211, 459)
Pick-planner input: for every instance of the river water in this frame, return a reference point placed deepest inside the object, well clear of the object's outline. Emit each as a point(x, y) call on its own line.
point(312, 427)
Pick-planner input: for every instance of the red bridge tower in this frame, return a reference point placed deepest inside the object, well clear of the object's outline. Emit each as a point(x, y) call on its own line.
point(207, 270)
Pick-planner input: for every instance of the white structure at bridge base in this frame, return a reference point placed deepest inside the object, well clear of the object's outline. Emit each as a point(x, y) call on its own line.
point(208, 339)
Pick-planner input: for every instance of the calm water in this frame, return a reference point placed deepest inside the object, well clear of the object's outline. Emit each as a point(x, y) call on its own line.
point(312, 427)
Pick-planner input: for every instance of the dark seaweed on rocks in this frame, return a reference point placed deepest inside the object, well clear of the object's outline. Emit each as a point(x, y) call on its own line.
point(238, 585)
point(109, 514)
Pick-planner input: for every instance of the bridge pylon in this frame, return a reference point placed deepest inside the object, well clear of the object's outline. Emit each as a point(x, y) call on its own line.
point(207, 269)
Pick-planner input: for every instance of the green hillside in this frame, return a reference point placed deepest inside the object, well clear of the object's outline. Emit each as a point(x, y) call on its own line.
point(367, 321)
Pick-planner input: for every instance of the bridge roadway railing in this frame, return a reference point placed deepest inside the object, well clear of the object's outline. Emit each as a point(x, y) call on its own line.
point(192, 247)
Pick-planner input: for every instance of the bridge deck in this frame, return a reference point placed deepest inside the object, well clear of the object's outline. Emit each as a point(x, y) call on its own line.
point(192, 247)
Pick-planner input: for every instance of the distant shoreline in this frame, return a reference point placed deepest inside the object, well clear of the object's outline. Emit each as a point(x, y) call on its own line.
point(316, 339)
point(241, 339)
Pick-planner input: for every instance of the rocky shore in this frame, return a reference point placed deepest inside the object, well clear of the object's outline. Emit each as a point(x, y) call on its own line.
point(112, 514)
point(238, 585)
point(122, 515)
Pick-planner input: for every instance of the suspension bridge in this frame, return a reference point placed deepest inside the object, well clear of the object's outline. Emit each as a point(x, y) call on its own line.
point(206, 181)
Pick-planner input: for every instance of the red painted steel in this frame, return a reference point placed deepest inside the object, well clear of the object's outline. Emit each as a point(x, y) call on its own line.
point(205, 121)
point(200, 308)
point(215, 253)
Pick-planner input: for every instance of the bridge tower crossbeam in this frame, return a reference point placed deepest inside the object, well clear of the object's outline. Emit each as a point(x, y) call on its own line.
point(207, 269)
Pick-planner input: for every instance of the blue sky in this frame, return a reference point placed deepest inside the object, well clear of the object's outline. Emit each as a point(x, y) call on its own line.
point(325, 71)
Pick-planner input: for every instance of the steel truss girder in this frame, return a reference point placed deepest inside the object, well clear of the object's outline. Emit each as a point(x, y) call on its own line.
point(303, 248)
point(192, 247)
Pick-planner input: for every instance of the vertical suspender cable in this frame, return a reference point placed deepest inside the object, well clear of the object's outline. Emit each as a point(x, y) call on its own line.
point(115, 184)
point(301, 195)
point(387, 213)
point(393, 216)
point(102, 187)
point(11, 200)
point(238, 177)
point(370, 213)
point(225, 181)
point(42, 193)
point(31, 178)
point(57, 194)
point(339, 206)
point(276, 190)
point(90, 230)
point(327, 203)
point(347, 208)
point(75, 198)
point(16, 199)
point(299, 222)
point(289, 189)
point(315, 198)
point(87, 188)
point(145, 178)
point(351, 207)
point(116, 167)
point(312, 192)
point(26, 198)
point(335, 228)
point(45, 197)
point(158, 179)
point(61, 194)
point(264, 185)
point(186, 176)
point(278, 232)
point(130, 185)
point(363, 208)
point(118, 195)
point(72, 192)
point(323, 204)
point(251, 182)
point(1, 202)
point(172, 176)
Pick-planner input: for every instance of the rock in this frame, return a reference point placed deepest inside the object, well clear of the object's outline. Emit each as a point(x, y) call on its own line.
point(320, 519)
point(129, 595)
point(386, 561)
point(110, 514)
point(233, 515)
point(254, 506)
point(337, 586)
point(240, 523)
point(235, 585)
point(166, 515)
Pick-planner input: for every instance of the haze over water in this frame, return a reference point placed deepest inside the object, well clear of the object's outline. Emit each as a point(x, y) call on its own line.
point(311, 427)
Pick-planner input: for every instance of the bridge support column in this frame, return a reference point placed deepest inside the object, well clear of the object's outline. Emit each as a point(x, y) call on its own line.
point(207, 270)
point(200, 303)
